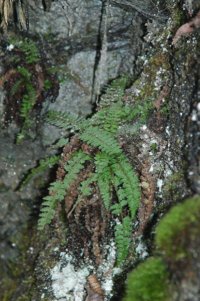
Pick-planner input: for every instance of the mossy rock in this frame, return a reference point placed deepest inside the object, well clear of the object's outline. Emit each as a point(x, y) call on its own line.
point(178, 230)
point(148, 282)
point(173, 188)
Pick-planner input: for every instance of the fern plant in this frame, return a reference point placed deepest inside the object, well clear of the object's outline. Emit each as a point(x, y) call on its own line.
point(24, 88)
point(28, 100)
point(113, 174)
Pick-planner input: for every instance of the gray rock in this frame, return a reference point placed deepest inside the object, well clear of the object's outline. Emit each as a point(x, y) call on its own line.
point(2, 96)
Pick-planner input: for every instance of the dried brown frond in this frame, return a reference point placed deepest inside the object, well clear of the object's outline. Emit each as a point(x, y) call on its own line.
point(161, 97)
point(87, 218)
point(7, 76)
point(87, 221)
point(72, 195)
point(148, 192)
point(95, 285)
point(68, 150)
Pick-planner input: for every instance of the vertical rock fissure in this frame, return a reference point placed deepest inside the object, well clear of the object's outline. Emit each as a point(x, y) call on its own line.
point(100, 68)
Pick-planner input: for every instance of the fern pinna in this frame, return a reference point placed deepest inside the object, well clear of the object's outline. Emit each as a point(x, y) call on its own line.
point(96, 165)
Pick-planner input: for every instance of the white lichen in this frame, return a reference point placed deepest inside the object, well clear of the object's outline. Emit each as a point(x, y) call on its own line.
point(141, 250)
point(10, 47)
point(106, 270)
point(67, 283)
point(160, 185)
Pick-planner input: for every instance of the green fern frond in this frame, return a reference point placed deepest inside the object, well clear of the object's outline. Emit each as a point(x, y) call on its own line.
point(105, 189)
point(112, 110)
point(74, 166)
point(117, 208)
point(43, 165)
point(101, 139)
point(102, 162)
point(110, 118)
point(47, 211)
point(58, 189)
point(15, 88)
point(103, 172)
point(113, 174)
point(114, 92)
point(30, 50)
point(129, 183)
point(85, 186)
point(24, 72)
point(123, 233)
point(63, 120)
point(28, 101)
point(60, 143)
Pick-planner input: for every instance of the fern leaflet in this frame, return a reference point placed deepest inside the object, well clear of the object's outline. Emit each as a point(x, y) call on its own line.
point(111, 117)
point(85, 187)
point(117, 208)
point(47, 212)
point(104, 176)
point(114, 92)
point(63, 120)
point(16, 86)
point(74, 166)
point(28, 102)
point(102, 139)
point(58, 189)
point(30, 50)
point(128, 181)
point(123, 233)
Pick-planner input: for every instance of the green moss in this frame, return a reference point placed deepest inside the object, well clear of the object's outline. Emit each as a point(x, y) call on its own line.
point(8, 287)
point(146, 84)
point(178, 229)
point(154, 147)
point(148, 282)
point(173, 187)
point(177, 16)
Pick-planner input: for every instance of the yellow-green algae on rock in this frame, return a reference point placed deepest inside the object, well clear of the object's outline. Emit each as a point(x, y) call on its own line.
point(178, 230)
point(148, 282)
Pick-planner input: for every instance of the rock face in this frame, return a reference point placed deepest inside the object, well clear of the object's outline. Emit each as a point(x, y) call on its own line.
point(71, 53)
